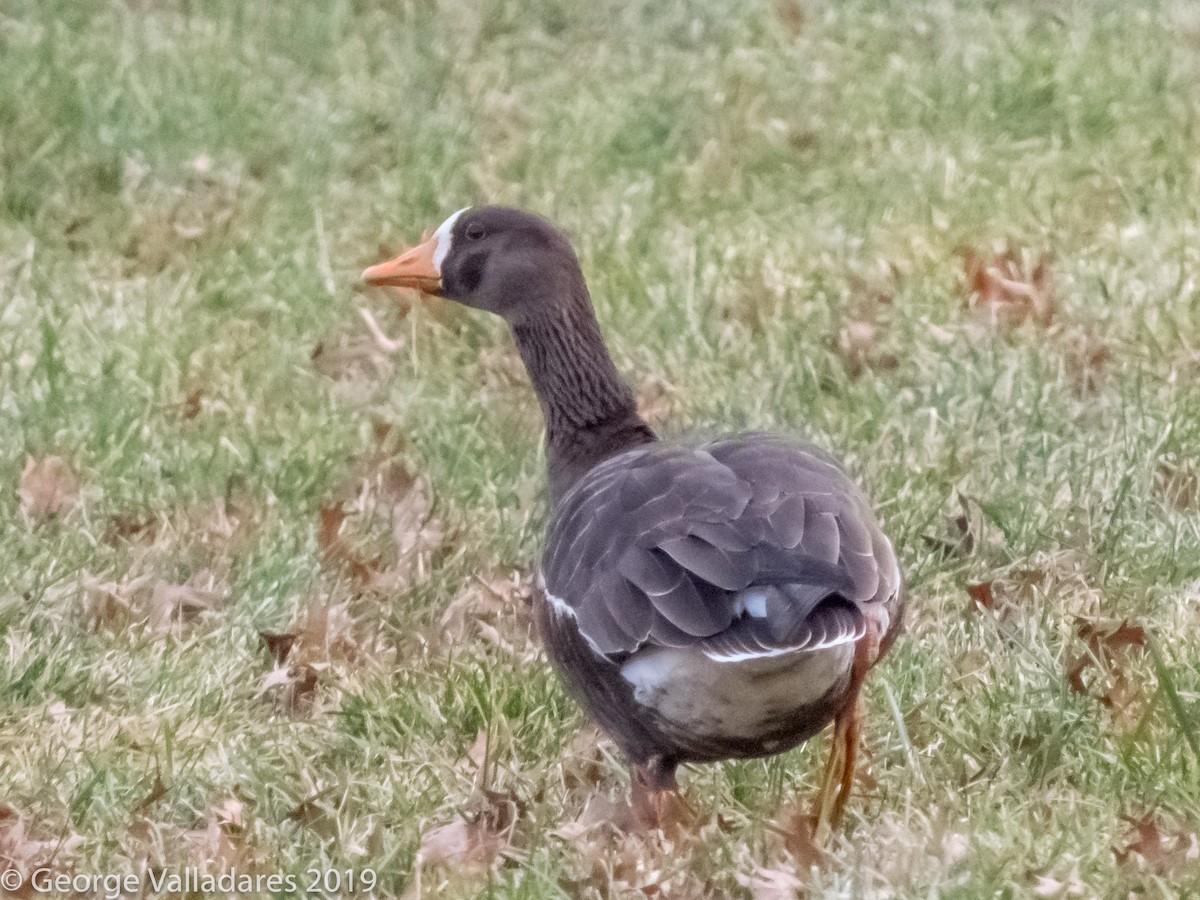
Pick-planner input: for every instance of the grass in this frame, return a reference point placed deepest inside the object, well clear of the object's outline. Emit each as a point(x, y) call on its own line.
point(187, 193)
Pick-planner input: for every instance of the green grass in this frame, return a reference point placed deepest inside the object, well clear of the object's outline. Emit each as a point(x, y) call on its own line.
point(187, 193)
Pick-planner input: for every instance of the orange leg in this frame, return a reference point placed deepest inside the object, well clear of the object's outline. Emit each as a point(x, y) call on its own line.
point(843, 750)
point(655, 796)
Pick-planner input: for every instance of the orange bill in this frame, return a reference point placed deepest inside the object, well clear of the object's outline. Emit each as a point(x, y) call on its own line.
point(413, 268)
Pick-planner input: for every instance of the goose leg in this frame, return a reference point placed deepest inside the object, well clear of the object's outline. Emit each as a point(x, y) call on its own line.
point(655, 794)
point(838, 779)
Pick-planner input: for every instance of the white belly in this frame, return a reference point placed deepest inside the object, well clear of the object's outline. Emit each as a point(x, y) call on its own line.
point(732, 699)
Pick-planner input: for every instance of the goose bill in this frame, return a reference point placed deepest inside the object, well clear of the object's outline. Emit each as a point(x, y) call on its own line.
point(413, 268)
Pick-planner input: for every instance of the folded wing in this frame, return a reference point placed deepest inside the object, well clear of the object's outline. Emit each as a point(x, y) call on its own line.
point(746, 547)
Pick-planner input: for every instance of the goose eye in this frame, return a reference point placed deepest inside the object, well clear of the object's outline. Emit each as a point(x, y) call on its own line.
point(474, 231)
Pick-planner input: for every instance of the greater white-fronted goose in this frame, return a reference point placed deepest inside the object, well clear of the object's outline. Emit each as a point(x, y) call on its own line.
point(705, 601)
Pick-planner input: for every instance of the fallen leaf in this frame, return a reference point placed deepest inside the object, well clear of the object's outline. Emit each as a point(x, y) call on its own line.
point(795, 825)
point(158, 790)
point(144, 841)
point(476, 840)
point(192, 404)
point(601, 812)
point(498, 610)
point(778, 882)
point(460, 843)
point(858, 345)
point(230, 813)
point(958, 541)
point(1006, 289)
point(336, 550)
point(792, 15)
point(1106, 646)
point(380, 488)
point(26, 847)
point(350, 358)
point(414, 530)
point(279, 645)
point(1087, 357)
point(294, 686)
point(110, 604)
point(1178, 483)
point(176, 604)
point(1102, 641)
point(326, 633)
point(213, 848)
point(982, 594)
point(656, 400)
point(311, 812)
point(1164, 852)
point(583, 758)
point(48, 488)
point(130, 526)
point(477, 753)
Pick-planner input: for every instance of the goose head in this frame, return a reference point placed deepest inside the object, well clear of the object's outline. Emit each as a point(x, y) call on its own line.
point(504, 261)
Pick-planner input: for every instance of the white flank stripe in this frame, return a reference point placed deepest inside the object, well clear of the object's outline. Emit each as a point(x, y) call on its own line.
point(836, 641)
point(562, 608)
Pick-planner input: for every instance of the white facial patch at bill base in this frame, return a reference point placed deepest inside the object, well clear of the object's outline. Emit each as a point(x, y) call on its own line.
point(444, 239)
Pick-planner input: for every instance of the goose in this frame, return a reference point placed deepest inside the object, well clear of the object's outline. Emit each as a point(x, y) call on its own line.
point(704, 601)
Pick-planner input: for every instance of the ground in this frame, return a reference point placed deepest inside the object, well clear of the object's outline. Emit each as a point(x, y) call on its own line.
point(264, 561)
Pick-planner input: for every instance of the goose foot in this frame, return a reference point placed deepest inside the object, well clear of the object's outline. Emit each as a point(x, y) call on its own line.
point(655, 796)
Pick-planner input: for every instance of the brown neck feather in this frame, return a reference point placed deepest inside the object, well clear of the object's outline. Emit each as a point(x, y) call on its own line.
point(590, 413)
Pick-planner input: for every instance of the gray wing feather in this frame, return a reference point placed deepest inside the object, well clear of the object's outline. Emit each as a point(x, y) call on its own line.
point(754, 545)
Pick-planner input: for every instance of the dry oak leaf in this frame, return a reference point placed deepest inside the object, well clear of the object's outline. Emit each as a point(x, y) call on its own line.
point(857, 344)
point(176, 604)
point(295, 686)
point(25, 848)
point(1148, 846)
point(1126, 696)
point(656, 400)
point(601, 812)
point(414, 530)
point(381, 488)
point(158, 790)
point(779, 882)
point(583, 758)
point(499, 611)
point(958, 541)
point(1179, 483)
point(110, 604)
point(1047, 886)
point(795, 825)
point(1006, 290)
point(1104, 642)
point(475, 840)
point(350, 358)
point(1087, 357)
point(48, 488)
point(983, 595)
point(213, 847)
point(336, 550)
point(326, 634)
point(277, 644)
